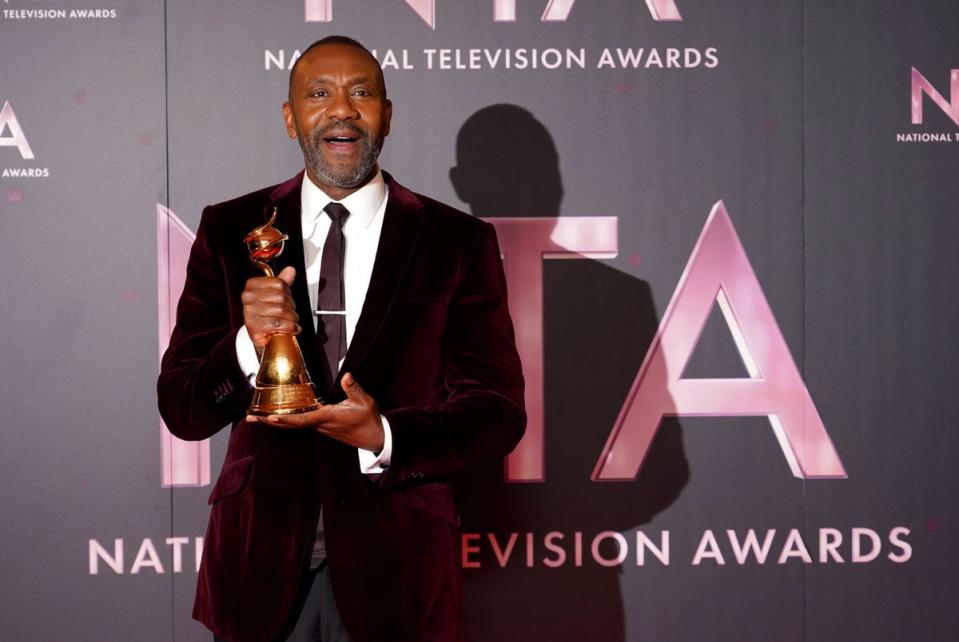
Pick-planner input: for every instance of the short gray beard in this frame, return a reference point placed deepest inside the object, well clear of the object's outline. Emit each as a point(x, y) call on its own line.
point(350, 177)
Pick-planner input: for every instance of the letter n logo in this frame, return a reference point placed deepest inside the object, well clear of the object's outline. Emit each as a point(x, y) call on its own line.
point(920, 85)
point(719, 271)
point(322, 10)
point(182, 463)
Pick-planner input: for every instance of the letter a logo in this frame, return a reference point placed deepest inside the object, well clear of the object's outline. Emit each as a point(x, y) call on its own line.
point(559, 9)
point(8, 120)
point(719, 272)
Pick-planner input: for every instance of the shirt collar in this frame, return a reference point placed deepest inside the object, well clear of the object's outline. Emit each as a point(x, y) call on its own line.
point(363, 204)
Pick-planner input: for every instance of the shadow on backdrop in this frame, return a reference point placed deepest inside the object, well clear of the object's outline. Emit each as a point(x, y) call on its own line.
point(598, 324)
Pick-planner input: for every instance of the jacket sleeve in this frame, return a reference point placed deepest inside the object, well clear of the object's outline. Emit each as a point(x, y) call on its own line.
point(201, 387)
point(483, 415)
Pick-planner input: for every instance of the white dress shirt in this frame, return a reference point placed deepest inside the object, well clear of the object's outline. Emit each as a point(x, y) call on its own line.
point(361, 233)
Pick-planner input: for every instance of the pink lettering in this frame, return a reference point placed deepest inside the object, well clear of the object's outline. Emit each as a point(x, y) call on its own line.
point(875, 545)
point(469, 548)
point(794, 547)
point(665, 10)
point(896, 536)
point(525, 244)
point(708, 549)
point(829, 542)
point(322, 10)
point(558, 10)
point(719, 271)
point(318, 10)
point(551, 546)
point(750, 545)
point(503, 554)
point(182, 463)
point(503, 10)
point(622, 548)
point(661, 552)
point(920, 85)
point(8, 120)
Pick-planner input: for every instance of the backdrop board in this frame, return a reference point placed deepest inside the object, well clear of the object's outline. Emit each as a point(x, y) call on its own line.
point(728, 230)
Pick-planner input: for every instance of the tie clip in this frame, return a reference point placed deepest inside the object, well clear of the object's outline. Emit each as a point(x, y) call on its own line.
point(319, 312)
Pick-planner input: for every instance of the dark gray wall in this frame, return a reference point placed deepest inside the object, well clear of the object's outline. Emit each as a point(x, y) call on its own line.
point(850, 234)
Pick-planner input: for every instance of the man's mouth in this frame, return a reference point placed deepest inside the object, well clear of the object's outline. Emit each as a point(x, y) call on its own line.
point(341, 138)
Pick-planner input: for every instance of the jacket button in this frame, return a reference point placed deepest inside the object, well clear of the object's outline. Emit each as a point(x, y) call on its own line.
point(416, 474)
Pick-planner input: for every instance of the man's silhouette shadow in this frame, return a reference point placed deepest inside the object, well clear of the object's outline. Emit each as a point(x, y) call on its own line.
point(598, 323)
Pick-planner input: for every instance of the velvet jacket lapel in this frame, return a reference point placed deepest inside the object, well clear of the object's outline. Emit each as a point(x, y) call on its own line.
point(401, 229)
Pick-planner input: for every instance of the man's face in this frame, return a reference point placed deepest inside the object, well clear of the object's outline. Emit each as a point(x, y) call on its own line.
point(339, 113)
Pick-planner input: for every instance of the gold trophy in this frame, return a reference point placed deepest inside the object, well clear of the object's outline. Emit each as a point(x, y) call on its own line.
point(283, 386)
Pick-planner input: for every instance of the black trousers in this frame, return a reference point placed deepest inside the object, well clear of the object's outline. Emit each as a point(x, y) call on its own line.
point(314, 617)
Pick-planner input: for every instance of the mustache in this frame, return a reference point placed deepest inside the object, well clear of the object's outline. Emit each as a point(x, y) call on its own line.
point(339, 126)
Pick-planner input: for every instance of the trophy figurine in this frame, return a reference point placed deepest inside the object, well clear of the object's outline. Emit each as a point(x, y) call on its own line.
point(283, 386)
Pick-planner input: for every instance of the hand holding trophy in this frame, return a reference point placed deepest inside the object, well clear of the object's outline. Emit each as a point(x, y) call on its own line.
point(283, 385)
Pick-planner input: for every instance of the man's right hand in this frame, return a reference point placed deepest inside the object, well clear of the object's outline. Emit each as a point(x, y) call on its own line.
point(268, 307)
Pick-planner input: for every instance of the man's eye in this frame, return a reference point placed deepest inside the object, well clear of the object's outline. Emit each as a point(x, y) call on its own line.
point(362, 92)
point(319, 93)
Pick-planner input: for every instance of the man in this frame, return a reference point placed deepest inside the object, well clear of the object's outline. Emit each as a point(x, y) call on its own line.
point(339, 523)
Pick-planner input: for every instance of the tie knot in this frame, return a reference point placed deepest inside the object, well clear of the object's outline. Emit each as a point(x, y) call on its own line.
point(337, 213)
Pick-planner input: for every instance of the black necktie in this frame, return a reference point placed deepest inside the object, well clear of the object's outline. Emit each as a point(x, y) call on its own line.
point(331, 300)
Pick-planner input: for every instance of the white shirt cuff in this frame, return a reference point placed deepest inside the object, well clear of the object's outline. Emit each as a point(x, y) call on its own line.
point(246, 354)
point(370, 462)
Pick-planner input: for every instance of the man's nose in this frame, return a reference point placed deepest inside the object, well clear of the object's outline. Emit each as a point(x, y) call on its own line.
point(341, 107)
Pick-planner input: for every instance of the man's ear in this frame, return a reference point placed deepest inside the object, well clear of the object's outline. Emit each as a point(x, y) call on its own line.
point(289, 120)
point(388, 113)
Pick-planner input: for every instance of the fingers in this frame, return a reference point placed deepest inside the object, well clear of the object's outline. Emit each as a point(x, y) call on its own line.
point(287, 275)
point(354, 421)
point(310, 419)
point(268, 307)
point(353, 390)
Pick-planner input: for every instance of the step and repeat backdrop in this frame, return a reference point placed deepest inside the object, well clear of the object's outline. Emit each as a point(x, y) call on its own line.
point(729, 229)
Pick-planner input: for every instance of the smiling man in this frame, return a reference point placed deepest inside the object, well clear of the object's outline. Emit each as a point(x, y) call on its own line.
point(339, 523)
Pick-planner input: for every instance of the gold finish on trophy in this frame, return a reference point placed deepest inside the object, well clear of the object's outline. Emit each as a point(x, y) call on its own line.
point(283, 386)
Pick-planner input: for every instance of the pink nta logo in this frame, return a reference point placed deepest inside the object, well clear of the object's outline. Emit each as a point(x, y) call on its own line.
point(182, 463)
point(503, 10)
point(719, 271)
point(922, 86)
point(8, 120)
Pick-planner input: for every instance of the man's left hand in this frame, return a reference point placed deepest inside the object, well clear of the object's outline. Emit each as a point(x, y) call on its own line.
point(355, 420)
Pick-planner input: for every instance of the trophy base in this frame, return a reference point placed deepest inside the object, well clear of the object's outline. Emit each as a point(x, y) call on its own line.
point(286, 399)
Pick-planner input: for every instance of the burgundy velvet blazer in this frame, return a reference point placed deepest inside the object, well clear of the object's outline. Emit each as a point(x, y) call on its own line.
point(434, 346)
